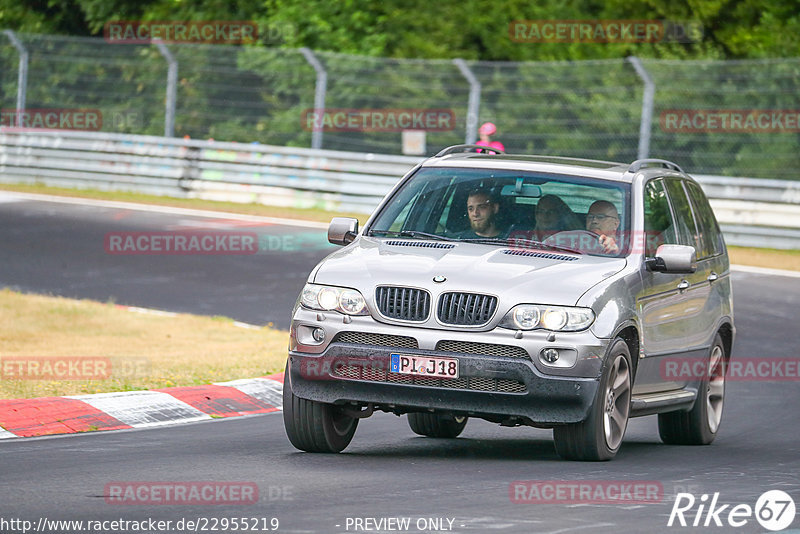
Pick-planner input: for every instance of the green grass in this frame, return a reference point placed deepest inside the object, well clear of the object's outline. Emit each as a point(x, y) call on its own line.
point(765, 257)
point(140, 351)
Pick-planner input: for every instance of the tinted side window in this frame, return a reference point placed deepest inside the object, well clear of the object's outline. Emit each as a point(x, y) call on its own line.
point(684, 219)
point(710, 236)
point(658, 225)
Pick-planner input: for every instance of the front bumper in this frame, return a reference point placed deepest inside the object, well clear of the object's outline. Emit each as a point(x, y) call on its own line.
point(490, 386)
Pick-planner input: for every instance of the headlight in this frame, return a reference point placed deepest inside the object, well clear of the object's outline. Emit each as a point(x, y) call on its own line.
point(556, 318)
point(330, 298)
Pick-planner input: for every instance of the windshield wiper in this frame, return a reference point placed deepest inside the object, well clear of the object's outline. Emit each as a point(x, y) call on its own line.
point(486, 240)
point(520, 242)
point(409, 233)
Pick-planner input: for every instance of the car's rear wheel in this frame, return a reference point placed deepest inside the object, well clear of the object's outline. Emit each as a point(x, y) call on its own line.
point(699, 425)
point(435, 425)
point(315, 426)
point(600, 435)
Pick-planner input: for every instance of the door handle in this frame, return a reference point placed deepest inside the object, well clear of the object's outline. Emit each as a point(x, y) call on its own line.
point(683, 285)
point(713, 277)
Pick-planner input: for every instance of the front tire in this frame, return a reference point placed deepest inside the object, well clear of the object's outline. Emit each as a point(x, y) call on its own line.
point(315, 426)
point(435, 425)
point(599, 436)
point(699, 426)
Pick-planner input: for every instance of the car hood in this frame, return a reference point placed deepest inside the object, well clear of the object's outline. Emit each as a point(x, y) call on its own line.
point(545, 277)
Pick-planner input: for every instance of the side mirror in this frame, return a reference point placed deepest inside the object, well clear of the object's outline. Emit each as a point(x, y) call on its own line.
point(673, 259)
point(342, 230)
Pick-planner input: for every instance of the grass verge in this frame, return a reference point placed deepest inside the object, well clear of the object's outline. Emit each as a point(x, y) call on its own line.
point(141, 351)
point(765, 257)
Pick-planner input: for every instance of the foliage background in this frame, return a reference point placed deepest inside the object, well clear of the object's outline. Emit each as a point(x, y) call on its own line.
point(579, 99)
point(471, 29)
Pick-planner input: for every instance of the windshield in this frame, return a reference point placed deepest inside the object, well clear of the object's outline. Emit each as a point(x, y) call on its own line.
point(513, 208)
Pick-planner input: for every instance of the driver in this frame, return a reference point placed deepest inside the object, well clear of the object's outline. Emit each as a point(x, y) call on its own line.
point(603, 219)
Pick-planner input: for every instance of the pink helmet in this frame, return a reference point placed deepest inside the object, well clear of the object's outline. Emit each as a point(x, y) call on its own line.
point(487, 128)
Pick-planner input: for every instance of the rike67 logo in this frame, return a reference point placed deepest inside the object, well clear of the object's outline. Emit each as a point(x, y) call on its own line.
point(774, 510)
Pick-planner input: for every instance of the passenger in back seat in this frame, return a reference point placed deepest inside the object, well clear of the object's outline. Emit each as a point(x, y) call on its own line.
point(552, 216)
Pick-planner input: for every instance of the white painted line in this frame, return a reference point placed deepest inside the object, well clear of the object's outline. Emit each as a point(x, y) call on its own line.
point(765, 270)
point(150, 311)
point(246, 325)
point(215, 224)
point(169, 210)
point(143, 408)
point(5, 434)
point(163, 313)
point(264, 389)
point(9, 196)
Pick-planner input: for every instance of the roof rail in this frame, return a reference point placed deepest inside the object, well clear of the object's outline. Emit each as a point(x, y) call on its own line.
point(639, 163)
point(462, 148)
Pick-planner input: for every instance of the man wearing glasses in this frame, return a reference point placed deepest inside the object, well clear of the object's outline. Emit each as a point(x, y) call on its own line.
point(603, 219)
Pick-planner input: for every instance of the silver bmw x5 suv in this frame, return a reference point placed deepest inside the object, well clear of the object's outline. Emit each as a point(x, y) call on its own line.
point(552, 292)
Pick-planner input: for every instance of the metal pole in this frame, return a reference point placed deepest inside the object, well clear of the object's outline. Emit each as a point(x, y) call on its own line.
point(319, 93)
point(647, 107)
point(172, 88)
point(474, 101)
point(22, 75)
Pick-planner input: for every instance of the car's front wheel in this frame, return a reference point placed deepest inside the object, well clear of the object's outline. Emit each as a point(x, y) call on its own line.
point(699, 425)
point(435, 425)
point(315, 426)
point(600, 435)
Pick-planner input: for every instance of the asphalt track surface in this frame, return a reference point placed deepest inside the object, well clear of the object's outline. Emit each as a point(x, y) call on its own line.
point(61, 249)
point(387, 471)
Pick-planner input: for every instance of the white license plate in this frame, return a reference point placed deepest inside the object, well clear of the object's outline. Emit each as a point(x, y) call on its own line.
point(411, 364)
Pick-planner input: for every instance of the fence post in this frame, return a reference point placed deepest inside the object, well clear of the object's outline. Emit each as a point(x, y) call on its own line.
point(647, 107)
point(319, 94)
point(22, 74)
point(172, 87)
point(474, 102)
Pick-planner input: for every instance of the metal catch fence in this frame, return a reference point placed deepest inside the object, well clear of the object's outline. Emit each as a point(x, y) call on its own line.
point(616, 109)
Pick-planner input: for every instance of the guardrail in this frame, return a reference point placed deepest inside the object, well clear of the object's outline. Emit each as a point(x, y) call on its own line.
point(752, 212)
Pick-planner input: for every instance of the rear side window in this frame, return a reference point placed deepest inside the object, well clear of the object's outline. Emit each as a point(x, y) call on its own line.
point(658, 225)
point(685, 227)
point(711, 243)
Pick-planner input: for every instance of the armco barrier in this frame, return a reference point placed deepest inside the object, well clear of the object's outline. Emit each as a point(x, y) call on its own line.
point(284, 176)
point(752, 212)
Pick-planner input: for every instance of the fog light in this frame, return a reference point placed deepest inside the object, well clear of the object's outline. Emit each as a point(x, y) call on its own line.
point(318, 334)
point(550, 355)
